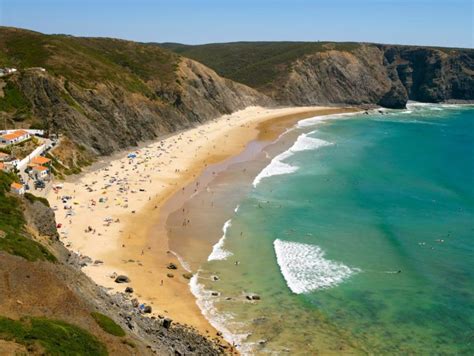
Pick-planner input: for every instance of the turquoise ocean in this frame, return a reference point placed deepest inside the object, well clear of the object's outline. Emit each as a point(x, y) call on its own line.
point(358, 239)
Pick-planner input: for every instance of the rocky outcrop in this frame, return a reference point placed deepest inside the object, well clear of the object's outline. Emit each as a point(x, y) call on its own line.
point(337, 77)
point(40, 218)
point(433, 75)
point(311, 73)
point(107, 117)
point(388, 76)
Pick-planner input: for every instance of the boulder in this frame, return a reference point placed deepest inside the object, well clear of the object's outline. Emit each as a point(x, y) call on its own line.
point(166, 323)
point(147, 309)
point(170, 275)
point(135, 303)
point(129, 290)
point(122, 279)
point(171, 266)
point(187, 275)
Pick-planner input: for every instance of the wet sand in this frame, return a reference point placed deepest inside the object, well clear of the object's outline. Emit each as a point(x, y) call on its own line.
point(139, 194)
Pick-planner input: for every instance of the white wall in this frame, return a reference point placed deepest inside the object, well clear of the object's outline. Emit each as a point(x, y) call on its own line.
point(37, 151)
point(31, 132)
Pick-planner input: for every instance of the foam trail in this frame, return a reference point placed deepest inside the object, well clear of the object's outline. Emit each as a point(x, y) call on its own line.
point(236, 209)
point(182, 262)
point(218, 251)
point(305, 269)
point(220, 321)
point(318, 119)
point(278, 167)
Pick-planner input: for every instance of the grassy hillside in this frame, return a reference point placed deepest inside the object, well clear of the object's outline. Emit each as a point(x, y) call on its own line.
point(255, 64)
point(88, 61)
point(12, 227)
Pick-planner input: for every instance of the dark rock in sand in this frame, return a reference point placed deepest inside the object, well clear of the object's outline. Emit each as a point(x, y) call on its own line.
point(147, 309)
point(135, 303)
point(171, 266)
point(166, 323)
point(129, 290)
point(122, 279)
point(187, 275)
point(170, 275)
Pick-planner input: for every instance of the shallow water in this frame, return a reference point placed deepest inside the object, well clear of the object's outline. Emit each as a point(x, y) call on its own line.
point(359, 238)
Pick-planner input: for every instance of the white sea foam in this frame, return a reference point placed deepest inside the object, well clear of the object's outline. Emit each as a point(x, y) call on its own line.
point(182, 262)
point(220, 321)
point(236, 209)
point(218, 251)
point(278, 167)
point(318, 119)
point(305, 269)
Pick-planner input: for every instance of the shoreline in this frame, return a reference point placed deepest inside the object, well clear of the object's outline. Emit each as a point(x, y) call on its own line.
point(134, 241)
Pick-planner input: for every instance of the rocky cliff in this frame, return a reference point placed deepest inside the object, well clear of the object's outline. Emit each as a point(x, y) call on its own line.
point(107, 94)
point(108, 117)
point(302, 73)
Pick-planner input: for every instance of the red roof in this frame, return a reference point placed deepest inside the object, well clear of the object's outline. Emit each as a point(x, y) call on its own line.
point(16, 186)
point(40, 160)
point(14, 135)
point(40, 168)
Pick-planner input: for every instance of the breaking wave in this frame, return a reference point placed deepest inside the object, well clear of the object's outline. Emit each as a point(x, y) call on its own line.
point(218, 251)
point(205, 301)
point(278, 167)
point(305, 269)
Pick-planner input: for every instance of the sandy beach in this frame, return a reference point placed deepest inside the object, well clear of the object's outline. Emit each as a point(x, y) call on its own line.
point(114, 215)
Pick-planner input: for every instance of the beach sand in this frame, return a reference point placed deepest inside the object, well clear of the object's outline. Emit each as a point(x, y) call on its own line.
point(122, 201)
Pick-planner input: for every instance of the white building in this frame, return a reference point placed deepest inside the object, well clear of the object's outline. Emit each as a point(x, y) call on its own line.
point(40, 172)
point(17, 188)
point(14, 137)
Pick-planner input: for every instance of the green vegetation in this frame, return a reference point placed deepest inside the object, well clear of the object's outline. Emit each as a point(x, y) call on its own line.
point(13, 100)
point(32, 198)
point(86, 62)
point(256, 64)
point(72, 103)
point(53, 336)
point(12, 239)
point(22, 149)
point(107, 324)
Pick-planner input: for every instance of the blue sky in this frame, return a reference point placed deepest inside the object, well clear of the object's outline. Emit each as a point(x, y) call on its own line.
point(424, 22)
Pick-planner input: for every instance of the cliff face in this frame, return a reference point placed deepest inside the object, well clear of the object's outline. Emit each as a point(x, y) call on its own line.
point(432, 75)
point(335, 77)
point(108, 94)
point(342, 73)
point(107, 118)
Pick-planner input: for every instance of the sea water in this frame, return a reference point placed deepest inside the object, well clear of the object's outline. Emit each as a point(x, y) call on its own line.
point(358, 239)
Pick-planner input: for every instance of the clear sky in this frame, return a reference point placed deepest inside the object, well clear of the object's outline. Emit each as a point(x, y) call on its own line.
point(424, 22)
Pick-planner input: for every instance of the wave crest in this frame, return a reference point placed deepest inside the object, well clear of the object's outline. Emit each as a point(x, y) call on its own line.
point(218, 251)
point(305, 269)
point(278, 167)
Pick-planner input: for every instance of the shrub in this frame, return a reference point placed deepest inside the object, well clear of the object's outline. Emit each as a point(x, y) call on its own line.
point(107, 324)
point(54, 336)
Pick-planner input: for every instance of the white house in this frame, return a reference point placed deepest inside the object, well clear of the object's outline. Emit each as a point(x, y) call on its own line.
point(40, 172)
point(14, 137)
point(17, 188)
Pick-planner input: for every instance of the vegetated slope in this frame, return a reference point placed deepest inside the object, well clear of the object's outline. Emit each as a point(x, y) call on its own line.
point(106, 94)
point(355, 73)
point(48, 306)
